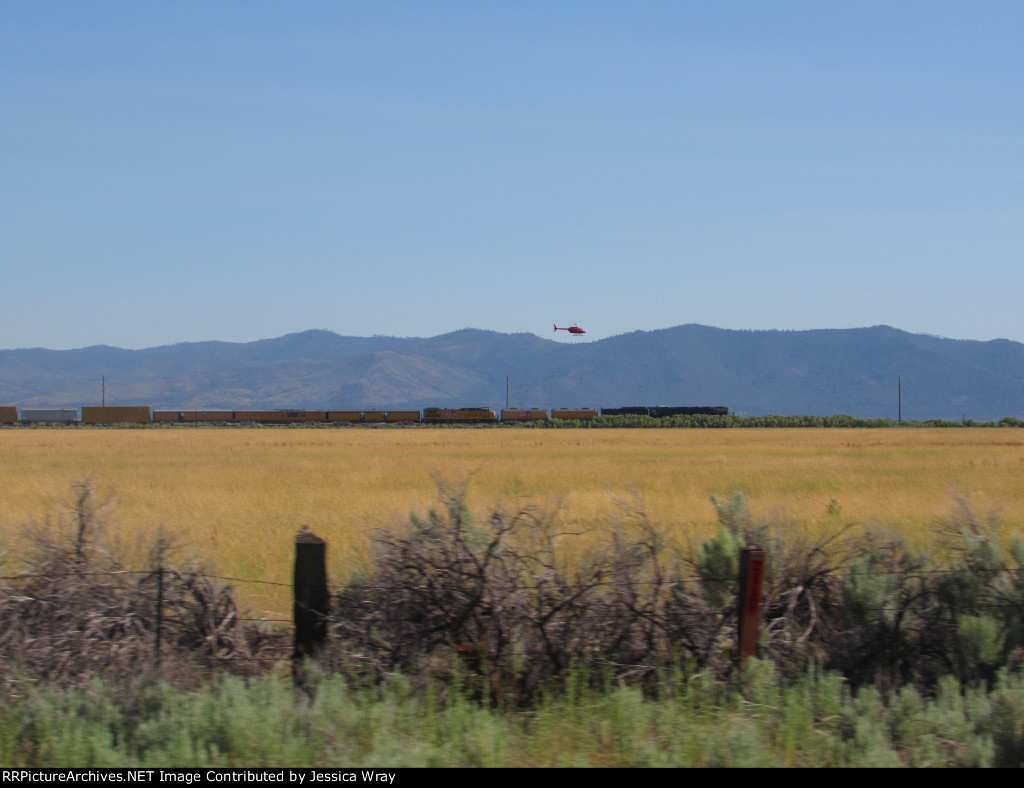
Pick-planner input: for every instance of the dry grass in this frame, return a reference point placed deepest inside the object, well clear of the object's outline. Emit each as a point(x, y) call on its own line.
point(237, 496)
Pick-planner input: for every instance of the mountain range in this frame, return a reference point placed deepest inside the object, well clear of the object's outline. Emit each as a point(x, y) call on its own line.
point(879, 372)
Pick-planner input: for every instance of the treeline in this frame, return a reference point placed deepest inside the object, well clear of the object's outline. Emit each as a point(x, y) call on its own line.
point(732, 420)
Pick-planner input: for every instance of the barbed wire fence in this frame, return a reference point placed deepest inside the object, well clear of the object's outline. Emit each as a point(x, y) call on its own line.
point(67, 620)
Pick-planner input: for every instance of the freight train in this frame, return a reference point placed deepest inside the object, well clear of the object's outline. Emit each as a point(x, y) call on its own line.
point(143, 414)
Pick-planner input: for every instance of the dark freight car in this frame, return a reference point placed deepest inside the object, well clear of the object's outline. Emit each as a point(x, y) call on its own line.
point(705, 410)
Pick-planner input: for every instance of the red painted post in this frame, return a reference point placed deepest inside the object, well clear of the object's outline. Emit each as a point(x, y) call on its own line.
point(752, 569)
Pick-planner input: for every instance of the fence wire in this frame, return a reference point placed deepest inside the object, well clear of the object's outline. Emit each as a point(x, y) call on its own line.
point(168, 608)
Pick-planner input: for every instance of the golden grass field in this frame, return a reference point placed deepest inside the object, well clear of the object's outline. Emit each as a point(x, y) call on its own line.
point(235, 497)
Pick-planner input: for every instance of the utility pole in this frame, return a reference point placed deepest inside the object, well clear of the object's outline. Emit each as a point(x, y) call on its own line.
point(104, 391)
point(899, 399)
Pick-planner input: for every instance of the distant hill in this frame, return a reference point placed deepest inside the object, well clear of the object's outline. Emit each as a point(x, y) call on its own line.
point(821, 372)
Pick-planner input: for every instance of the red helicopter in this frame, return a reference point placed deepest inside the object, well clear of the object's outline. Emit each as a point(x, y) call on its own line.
point(573, 329)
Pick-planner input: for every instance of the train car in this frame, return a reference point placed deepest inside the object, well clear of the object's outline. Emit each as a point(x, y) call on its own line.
point(281, 416)
point(345, 415)
point(579, 414)
point(116, 414)
point(49, 415)
point(193, 415)
point(9, 414)
point(629, 410)
point(438, 414)
point(142, 414)
point(659, 411)
point(459, 415)
point(530, 414)
point(402, 416)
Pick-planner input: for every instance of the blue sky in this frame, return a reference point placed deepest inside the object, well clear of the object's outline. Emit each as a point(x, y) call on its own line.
point(185, 171)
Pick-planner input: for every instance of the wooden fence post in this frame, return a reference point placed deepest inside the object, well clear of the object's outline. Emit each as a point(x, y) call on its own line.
point(311, 599)
point(748, 628)
point(159, 611)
